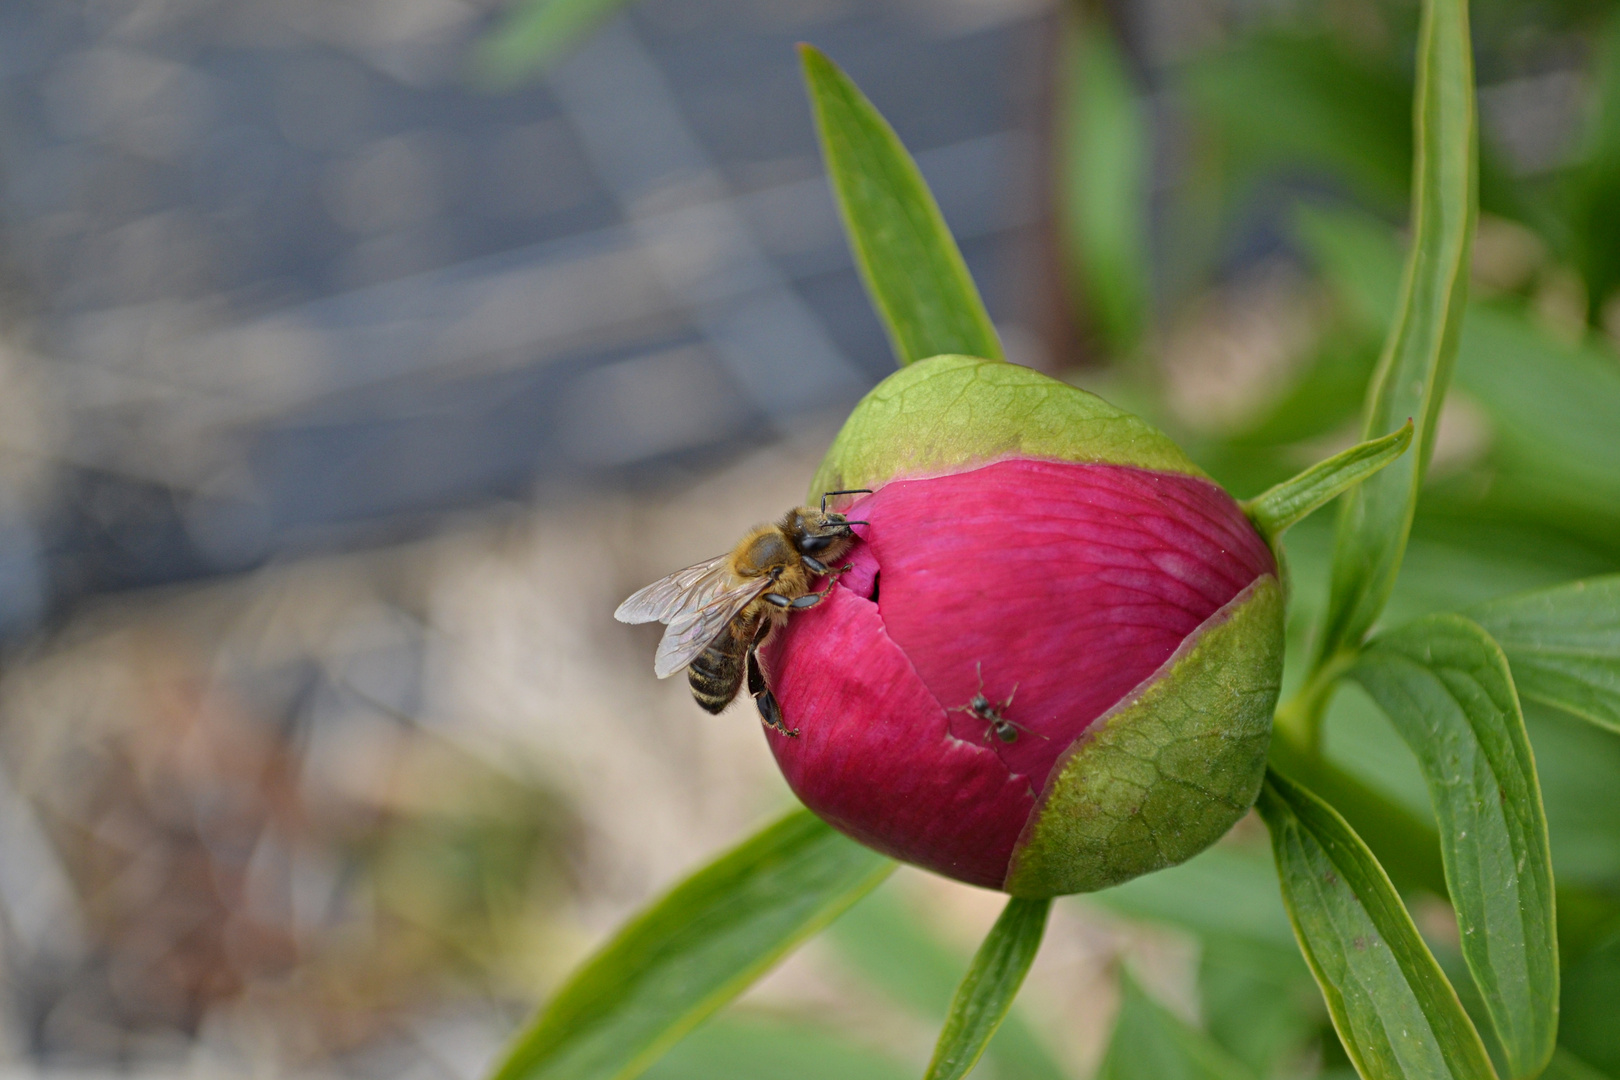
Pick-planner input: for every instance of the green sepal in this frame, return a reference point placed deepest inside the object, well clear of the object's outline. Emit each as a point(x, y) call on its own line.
point(1277, 508)
point(1172, 767)
point(948, 414)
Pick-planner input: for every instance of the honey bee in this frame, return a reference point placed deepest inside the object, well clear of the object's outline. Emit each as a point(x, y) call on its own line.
point(992, 713)
point(720, 611)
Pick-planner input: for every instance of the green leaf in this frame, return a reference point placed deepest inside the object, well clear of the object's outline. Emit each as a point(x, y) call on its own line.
point(1149, 1043)
point(1394, 1011)
point(1105, 182)
point(696, 948)
point(988, 989)
point(1563, 645)
point(1416, 364)
point(1275, 510)
point(884, 940)
point(912, 268)
point(534, 34)
point(1446, 687)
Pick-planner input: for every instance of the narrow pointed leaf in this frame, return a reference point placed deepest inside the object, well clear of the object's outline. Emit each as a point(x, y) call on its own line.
point(1273, 511)
point(1398, 1017)
point(1563, 645)
point(693, 950)
point(988, 989)
point(1416, 364)
point(1446, 687)
point(912, 268)
point(1149, 1043)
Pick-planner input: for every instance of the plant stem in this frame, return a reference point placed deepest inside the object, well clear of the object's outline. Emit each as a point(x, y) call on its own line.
point(1299, 719)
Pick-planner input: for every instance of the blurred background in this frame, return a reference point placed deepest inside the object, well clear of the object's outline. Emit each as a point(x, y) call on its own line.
point(358, 356)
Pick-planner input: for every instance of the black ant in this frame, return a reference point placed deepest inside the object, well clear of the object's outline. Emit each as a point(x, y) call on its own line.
point(991, 712)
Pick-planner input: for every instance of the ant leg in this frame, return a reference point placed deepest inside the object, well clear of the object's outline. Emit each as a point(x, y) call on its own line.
point(769, 711)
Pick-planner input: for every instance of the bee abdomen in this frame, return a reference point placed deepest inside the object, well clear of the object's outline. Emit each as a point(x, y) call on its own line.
point(716, 674)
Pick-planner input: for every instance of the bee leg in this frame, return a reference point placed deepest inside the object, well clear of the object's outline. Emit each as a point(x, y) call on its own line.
point(814, 563)
point(769, 711)
point(808, 600)
point(771, 714)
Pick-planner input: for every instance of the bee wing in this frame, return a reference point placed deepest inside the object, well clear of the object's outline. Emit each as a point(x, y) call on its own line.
point(691, 633)
point(684, 591)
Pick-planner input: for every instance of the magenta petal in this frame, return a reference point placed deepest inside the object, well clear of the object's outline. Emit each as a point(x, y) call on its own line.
point(873, 756)
point(1070, 582)
point(1060, 585)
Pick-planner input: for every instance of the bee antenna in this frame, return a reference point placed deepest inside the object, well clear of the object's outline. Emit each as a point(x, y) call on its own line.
point(825, 495)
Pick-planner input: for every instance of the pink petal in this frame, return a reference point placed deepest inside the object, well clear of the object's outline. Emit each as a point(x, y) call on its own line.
point(1061, 585)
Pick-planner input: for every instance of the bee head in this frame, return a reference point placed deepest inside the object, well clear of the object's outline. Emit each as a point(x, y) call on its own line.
point(815, 532)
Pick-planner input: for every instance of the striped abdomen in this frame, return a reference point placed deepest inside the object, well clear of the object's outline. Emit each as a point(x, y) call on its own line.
point(718, 673)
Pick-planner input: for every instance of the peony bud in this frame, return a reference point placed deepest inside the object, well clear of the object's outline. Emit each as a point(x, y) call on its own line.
point(1112, 610)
